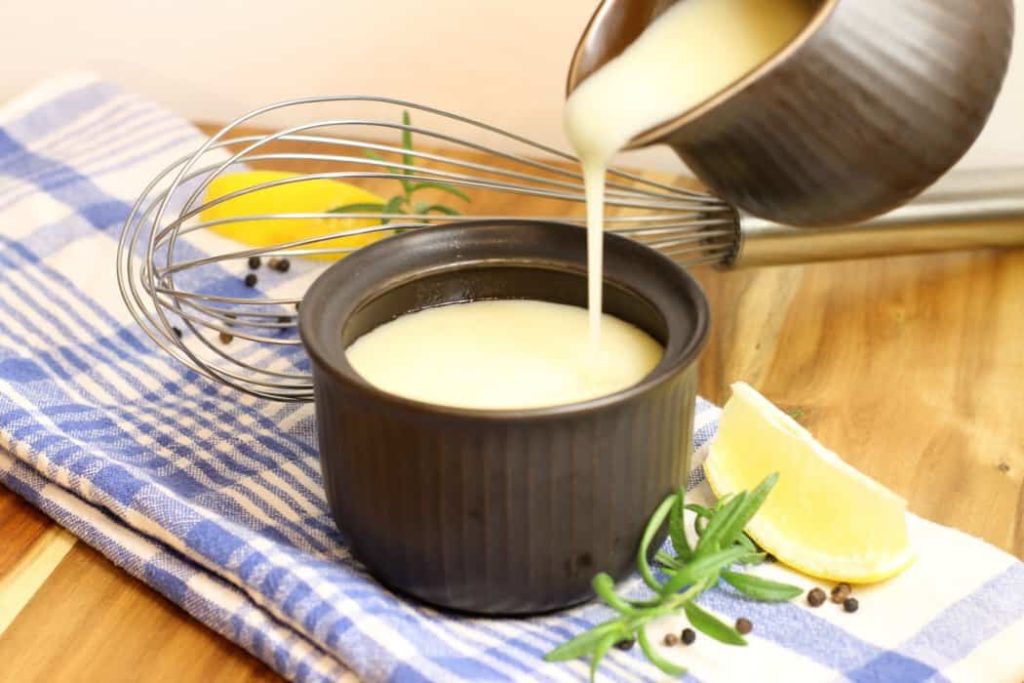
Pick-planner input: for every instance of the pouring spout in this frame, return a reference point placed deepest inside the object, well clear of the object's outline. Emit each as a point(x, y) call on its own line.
point(614, 25)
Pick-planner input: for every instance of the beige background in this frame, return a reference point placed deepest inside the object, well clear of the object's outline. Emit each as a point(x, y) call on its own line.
point(500, 60)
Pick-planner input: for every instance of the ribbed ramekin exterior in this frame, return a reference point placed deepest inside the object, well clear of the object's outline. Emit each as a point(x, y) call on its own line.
point(883, 99)
point(499, 516)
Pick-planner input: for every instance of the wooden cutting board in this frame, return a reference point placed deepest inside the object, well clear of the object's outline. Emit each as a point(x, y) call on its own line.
point(912, 368)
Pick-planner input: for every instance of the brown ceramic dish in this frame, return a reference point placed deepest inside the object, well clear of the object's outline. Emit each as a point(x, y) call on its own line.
point(499, 512)
point(869, 105)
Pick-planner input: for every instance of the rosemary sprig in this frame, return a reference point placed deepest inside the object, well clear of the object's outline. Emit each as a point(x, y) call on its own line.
point(403, 203)
point(688, 573)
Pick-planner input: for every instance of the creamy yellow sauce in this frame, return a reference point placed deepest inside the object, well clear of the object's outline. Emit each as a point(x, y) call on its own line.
point(532, 354)
point(693, 51)
point(508, 354)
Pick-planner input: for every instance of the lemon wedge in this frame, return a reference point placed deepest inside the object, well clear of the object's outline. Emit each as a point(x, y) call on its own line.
point(824, 517)
point(308, 196)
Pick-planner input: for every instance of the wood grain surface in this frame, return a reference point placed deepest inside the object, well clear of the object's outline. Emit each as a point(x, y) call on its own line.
point(909, 367)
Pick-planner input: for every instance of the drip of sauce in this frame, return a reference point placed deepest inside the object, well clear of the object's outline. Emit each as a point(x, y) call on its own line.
point(508, 354)
point(532, 354)
point(693, 51)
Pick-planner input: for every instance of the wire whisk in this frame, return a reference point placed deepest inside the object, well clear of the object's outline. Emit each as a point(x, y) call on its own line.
point(183, 282)
point(196, 293)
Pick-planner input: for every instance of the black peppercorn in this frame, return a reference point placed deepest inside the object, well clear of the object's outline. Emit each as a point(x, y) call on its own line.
point(177, 332)
point(254, 262)
point(671, 640)
point(225, 338)
point(626, 644)
point(744, 626)
point(841, 592)
point(688, 636)
point(851, 605)
point(251, 280)
point(815, 597)
point(282, 265)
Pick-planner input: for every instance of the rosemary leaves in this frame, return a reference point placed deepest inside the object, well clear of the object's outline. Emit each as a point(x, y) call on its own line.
point(687, 573)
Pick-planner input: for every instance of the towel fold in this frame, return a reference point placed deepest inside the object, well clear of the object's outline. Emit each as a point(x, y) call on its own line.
point(214, 498)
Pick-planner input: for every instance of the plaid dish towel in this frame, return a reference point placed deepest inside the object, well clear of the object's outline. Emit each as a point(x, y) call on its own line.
point(214, 498)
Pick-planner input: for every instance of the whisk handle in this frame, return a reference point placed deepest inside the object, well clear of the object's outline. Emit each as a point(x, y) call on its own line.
point(970, 213)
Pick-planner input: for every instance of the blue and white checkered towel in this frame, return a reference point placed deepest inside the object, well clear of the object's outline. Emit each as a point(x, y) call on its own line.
point(214, 499)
